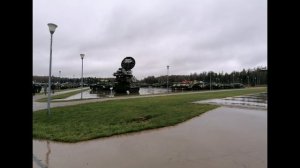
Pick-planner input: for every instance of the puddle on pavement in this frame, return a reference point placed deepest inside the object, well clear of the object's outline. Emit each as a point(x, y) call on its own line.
point(247, 101)
point(104, 94)
point(224, 137)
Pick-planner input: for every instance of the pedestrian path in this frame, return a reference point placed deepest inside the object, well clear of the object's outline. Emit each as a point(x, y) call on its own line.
point(222, 138)
point(43, 105)
point(225, 137)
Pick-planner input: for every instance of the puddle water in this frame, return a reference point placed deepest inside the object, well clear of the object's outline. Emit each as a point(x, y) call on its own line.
point(90, 94)
point(249, 101)
point(224, 137)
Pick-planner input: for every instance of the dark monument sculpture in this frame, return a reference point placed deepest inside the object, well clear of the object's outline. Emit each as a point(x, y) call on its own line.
point(125, 81)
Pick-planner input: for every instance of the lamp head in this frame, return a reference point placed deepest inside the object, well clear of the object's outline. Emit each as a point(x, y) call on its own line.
point(81, 55)
point(52, 27)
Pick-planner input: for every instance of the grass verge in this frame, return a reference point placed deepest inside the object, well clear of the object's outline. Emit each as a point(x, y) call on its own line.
point(102, 119)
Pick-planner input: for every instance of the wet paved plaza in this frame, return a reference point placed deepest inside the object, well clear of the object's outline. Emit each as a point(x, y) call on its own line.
point(226, 137)
point(105, 94)
point(257, 101)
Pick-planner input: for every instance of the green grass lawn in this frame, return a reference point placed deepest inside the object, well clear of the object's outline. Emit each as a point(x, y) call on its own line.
point(102, 119)
point(61, 96)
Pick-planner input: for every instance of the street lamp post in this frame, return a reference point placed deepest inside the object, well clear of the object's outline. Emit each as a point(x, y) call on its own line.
point(81, 56)
point(59, 79)
point(52, 28)
point(261, 75)
point(168, 78)
point(248, 81)
point(210, 81)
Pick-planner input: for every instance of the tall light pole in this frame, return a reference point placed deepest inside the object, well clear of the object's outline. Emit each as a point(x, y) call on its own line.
point(209, 80)
point(168, 78)
point(261, 74)
point(81, 56)
point(248, 81)
point(52, 28)
point(59, 79)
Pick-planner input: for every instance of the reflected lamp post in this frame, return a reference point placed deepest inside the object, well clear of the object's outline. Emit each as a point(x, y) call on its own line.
point(52, 28)
point(81, 56)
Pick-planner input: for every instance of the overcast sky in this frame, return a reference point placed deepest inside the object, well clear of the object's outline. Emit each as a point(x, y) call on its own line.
point(188, 35)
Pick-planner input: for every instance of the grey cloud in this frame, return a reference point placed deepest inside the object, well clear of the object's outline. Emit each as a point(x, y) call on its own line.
point(188, 35)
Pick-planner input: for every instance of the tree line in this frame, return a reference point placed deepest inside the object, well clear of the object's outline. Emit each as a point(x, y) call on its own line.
point(54, 79)
point(255, 76)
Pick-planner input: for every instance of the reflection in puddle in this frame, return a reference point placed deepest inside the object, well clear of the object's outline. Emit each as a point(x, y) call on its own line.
point(38, 162)
point(41, 163)
point(237, 139)
point(249, 101)
point(104, 94)
point(213, 139)
point(48, 153)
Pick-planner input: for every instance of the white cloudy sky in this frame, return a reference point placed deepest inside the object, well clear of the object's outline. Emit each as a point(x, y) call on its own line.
point(189, 35)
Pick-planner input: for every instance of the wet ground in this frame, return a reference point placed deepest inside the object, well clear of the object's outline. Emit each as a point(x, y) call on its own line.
point(257, 101)
point(105, 94)
point(157, 92)
point(88, 97)
point(226, 137)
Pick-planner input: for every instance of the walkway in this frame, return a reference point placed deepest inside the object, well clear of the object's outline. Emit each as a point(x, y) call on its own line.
point(43, 105)
point(225, 137)
point(222, 138)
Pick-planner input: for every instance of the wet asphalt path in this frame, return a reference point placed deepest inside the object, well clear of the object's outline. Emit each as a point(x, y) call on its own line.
point(226, 137)
point(43, 105)
point(222, 138)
